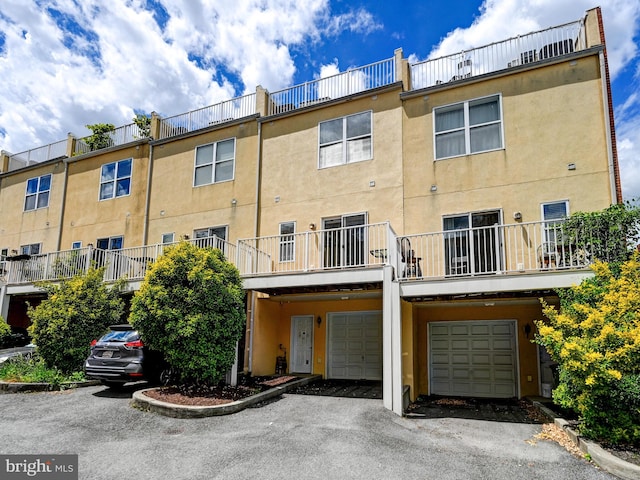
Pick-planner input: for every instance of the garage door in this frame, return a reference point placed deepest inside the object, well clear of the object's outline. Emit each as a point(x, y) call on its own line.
point(354, 349)
point(473, 358)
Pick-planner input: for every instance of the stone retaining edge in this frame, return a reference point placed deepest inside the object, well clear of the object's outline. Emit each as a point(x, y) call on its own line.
point(20, 387)
point(605, 460)
point(143, 402)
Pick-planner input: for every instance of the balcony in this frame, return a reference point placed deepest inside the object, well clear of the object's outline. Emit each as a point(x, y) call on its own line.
point(120, 136)
point(37, 155)
point(507, 54)
point(527, 251)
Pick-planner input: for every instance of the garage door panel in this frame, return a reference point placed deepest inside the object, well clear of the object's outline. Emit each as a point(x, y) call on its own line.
point(354, 345)
point(473, 358)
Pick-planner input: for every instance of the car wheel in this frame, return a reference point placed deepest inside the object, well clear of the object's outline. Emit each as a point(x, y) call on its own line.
point(166, 376)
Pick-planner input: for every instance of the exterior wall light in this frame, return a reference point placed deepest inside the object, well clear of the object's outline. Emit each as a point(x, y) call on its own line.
point(434, 188)
point(312, 226)
point(319, 320)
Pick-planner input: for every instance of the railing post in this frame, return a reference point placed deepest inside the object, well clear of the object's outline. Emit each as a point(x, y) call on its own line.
point(306, 251)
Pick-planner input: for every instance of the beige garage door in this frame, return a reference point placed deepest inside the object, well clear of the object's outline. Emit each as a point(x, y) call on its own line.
point(473, 358)
point(354, 347)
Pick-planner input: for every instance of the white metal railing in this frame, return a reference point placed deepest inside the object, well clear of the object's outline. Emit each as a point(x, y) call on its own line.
point(49, 266)
point(38, 155)
point(331, 249)
point(498, 249)
point(510, 53)
point(120, 136)
point(340, 85)
point(233, 109)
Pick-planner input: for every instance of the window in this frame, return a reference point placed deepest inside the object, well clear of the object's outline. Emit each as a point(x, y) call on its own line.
point(76, 245)
point(115, 179)
point(345, 140)
point(110, 243)
point(469, 127)
point(37, 195)
point(204, 235)
point(550, 212)
point(215, 162)
point(287, 241)
point(167, 238)
point(33, 249)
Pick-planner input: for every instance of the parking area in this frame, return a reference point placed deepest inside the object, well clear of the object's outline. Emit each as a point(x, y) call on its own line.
point(295, 436)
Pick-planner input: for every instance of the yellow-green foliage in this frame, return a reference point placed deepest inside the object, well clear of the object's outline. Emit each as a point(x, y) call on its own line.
point(595, 339)
point(5, 331)
point(75, 312)
point(190, 308)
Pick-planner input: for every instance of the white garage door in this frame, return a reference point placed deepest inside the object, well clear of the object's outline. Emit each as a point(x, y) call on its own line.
point(473, 358)
point(354, 349)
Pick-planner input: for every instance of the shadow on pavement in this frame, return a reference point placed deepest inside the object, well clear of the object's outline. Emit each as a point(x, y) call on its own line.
point(342, 388)
point(125, 391)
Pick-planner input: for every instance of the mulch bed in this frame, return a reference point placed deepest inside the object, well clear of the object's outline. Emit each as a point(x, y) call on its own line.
point(210, 395)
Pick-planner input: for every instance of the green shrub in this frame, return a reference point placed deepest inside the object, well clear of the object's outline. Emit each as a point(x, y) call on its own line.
point(75, 312)
point(35, 370)
point(5, 332)
point(595, 339)
point(190, 308)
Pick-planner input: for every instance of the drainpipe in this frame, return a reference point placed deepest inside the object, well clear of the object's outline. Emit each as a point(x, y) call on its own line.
point(62, 205)
point(147, 200)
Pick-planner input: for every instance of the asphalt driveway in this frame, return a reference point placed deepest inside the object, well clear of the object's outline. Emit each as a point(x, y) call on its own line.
point(296, 436)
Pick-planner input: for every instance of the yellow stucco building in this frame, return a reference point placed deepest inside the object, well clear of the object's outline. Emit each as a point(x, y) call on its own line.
point(397, 222)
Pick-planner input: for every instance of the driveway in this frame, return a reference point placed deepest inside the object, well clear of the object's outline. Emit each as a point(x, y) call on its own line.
point(296, 436)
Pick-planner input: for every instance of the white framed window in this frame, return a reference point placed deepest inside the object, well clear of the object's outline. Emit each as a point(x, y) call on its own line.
point(552, 214)
point(110, 243)
point(468, 127)
point(287, 241)
point(76, 245)
point(345, 140)
point(115, 179)
point(168, 238)
point(37, 192)
point(215, 162)
point(31, 249)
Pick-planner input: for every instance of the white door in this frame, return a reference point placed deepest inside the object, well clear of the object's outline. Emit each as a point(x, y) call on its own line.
point(354, 347)
point(301, 344)
point(473, 358)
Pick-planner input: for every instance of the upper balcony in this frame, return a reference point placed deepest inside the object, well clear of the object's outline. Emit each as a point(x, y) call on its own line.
point(521, 256)
point(504, 55)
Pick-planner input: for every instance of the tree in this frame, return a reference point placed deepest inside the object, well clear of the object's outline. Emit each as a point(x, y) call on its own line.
point(143, 122)
point(100, 137)
point(5, 332)
point(75, 312)
point(190, 308)
point(595, 339)
point(610, 235)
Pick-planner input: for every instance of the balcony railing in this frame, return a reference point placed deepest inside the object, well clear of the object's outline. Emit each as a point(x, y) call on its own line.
point(38, 155)
point(120, 136)
point(129, 263)
point(343, 84)
point(333, 249)
point(233, 109)
point(498, 249)
point(510, 53)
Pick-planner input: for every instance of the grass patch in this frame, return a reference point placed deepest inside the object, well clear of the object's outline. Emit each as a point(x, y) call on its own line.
point(34, 370)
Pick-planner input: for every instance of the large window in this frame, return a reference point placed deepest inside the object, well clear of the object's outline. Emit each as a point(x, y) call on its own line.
point(110, 243)
point(211, 237)
point(37, 195)
point(287, 241)
point(115, 179)
point(468, 127)
point(32, 249)
point(345, 140)
point(215, 162)
point(553, 213)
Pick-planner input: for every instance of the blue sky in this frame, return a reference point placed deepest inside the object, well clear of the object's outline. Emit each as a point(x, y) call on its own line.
point(68, 63)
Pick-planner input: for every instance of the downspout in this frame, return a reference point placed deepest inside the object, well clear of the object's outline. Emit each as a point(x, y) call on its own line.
point(62, 205)
point(147, 200)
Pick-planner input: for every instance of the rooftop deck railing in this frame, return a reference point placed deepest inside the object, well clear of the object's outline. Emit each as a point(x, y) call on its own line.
point(37, 155)
point(332, 249)
point(352, 81)
point(233, 109)
point(120, 136)
point(510, 53)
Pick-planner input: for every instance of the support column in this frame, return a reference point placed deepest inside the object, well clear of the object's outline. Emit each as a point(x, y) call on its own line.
point(391, 343)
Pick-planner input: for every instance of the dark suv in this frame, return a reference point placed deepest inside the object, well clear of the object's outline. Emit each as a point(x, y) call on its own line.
point(120, 357)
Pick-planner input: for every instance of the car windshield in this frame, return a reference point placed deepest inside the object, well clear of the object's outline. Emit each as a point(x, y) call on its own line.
point(120, 336)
